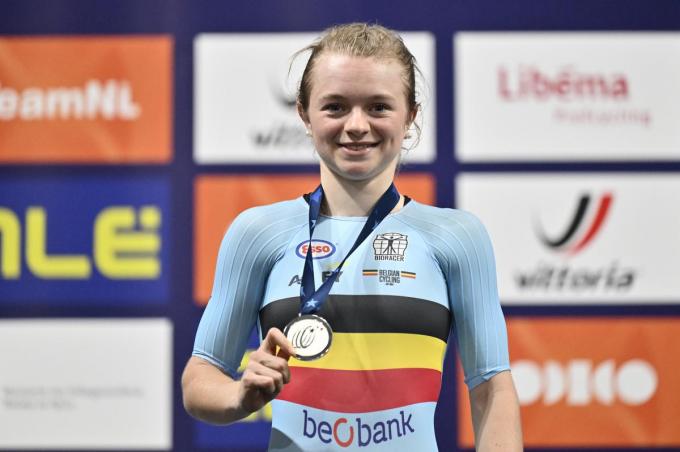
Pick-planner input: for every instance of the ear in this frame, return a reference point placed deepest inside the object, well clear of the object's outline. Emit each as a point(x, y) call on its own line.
point(303, 115)
point(412, 116)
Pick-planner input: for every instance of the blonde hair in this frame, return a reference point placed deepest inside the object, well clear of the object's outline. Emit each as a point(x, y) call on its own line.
point(361, 40)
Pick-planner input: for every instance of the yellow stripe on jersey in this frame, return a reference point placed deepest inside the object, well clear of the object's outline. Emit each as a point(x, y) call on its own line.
point(374, 351)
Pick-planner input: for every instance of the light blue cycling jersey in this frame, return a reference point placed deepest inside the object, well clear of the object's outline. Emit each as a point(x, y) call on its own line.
point(423, 273)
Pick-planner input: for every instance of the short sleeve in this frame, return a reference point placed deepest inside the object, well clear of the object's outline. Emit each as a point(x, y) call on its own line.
point(249, 249)
point(479, 325)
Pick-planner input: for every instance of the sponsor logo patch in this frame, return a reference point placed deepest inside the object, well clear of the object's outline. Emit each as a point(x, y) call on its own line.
point(389, 277)
point(345, 433)
point(297, 279)
point(321, 249)
point(390, 246)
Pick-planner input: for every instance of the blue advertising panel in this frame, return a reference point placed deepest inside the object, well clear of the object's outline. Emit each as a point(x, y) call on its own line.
point(66, 241)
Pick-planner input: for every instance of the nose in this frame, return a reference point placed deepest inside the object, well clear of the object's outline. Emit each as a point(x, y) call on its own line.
point(357, 124)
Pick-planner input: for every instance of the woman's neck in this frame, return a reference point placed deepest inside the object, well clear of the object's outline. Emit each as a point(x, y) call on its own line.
point(353, 198)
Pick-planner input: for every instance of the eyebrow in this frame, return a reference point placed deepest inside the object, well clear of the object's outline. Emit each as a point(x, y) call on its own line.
point(376, 97)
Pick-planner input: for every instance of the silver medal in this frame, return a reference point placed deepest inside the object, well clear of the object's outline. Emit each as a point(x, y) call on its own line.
point(311, 336)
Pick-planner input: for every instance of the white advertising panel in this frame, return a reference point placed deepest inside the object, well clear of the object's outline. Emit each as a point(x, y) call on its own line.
point(567, 96)
point(244, 98)
point(86, 384)
point(582, 238)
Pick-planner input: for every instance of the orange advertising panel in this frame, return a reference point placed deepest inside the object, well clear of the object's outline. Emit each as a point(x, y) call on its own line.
point(593, 382)
point(86, 99)
point(219, 199)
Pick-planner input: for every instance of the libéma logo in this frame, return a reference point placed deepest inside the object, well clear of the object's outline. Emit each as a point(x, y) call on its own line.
point(390, 246)
point(586, 224)
point(580, 97)
point(343, 432)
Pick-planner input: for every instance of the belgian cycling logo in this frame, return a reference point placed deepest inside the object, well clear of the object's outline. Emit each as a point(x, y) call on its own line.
point(579, 233)
point(388, 277)
point(390, 246)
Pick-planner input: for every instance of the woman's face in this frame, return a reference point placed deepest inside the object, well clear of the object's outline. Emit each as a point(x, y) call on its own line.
point(357, 115)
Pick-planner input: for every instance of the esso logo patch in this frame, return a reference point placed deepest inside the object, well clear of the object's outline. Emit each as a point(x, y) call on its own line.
point(320, 249)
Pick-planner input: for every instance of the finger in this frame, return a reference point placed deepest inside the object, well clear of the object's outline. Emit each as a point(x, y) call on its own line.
point(261, 383)
point(273, 362)
point(275, 338)
point(279, 378)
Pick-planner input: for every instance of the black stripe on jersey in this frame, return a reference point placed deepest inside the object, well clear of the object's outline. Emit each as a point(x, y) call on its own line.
point(367, 314)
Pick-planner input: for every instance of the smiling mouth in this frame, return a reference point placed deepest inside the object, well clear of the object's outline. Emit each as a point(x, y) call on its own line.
point(358, 146)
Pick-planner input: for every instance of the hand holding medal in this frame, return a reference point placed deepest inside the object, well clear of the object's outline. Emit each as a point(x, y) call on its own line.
point(266, 372)
point(311, 334)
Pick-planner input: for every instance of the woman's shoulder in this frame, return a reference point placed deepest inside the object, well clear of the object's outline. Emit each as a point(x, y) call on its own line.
point(442, 216)
point(276, 216)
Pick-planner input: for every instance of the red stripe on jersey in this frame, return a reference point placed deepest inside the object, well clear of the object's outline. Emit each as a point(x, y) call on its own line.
point(360, 391)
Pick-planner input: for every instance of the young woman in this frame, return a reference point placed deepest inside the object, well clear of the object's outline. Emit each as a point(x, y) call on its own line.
point(386, 282)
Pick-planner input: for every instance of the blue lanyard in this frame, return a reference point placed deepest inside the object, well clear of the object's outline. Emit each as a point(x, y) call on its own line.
point(312, 300)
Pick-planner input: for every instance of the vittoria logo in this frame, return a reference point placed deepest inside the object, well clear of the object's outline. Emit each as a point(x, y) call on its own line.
point(389, 277)
point(570, 242)
point(585, 224)
point(390, 246)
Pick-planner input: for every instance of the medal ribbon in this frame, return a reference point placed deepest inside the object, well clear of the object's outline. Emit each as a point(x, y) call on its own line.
point(312, 300)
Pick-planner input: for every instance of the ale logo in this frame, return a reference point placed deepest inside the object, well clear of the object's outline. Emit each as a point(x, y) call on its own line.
point(579, 232)
point(126, 245)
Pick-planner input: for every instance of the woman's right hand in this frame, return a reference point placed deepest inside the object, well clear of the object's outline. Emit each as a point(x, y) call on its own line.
point(266, 373)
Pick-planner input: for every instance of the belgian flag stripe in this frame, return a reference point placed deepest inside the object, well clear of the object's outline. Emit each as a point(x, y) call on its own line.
point(351, 391)
point(367, 314)
point(376, 351)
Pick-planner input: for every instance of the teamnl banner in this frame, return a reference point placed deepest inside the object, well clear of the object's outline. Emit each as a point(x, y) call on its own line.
point(567, 96)
point(84, 240)
point(580, 238)
point(245, 110)
point(86, 99)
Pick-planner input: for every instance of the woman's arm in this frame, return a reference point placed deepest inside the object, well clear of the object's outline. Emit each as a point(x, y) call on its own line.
point(214, 397)
point(495, 414)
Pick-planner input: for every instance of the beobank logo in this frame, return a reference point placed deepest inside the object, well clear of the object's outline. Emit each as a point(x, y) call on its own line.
point(345, 432)
point(321, 249)
point(532, 83)
point(95, 99)
point(580, 382)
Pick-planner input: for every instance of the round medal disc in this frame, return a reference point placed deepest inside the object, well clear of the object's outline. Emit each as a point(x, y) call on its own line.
point(311, 336)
